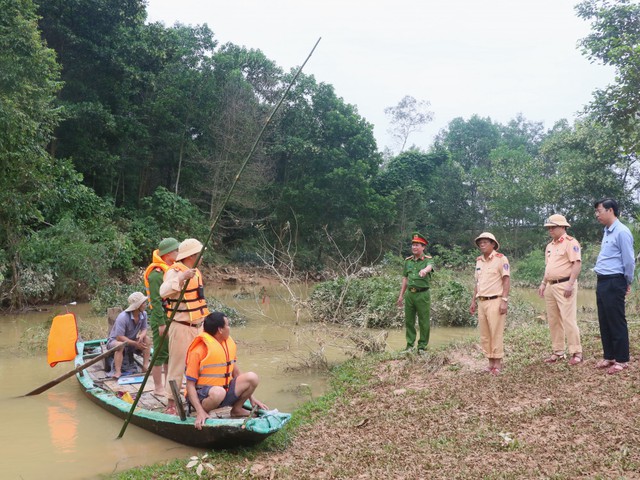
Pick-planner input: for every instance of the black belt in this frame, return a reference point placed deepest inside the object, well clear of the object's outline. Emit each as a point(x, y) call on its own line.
point(560, 280)
point(607, 277)
point(487, 298)
point(416, 290)
point(188, 324)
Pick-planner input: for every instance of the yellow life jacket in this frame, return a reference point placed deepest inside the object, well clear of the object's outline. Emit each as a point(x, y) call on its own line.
point(193, 301)
point(156, 263)
point(216, 369)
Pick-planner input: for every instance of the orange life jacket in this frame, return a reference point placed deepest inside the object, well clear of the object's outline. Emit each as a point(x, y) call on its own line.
point(63, 336)
point(157, 262)
point(193, 301)
point(216, 369)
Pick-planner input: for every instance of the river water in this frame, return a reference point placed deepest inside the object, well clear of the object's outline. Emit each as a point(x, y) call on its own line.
point(60, 434)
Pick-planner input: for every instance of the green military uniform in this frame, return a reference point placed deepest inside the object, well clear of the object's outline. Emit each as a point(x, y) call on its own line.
point(417, 300)
point(158, 315)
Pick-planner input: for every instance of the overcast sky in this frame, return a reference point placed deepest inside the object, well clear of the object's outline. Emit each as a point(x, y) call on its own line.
point(494, 58)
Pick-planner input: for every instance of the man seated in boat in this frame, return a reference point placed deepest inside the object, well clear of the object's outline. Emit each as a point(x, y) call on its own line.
point(130, 328)
point(213, 377)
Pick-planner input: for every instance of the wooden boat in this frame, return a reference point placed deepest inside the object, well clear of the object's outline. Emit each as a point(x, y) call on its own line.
point(116, 397)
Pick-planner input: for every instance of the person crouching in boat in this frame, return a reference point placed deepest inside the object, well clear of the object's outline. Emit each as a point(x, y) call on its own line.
point(213, 377)
point(130, 328)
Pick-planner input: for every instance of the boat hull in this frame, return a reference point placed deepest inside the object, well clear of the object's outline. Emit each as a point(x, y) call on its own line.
point(217, 433)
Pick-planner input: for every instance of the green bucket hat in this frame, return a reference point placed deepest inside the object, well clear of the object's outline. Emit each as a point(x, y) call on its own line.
point(168, 245)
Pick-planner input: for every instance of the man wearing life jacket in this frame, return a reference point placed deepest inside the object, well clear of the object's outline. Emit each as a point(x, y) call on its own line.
point(213, 377)
point(189, 314)
point(163, 258)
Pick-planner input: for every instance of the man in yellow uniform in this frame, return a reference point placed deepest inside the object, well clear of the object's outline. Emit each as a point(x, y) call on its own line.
point(416, 279)
point(559, 288)
point(190, 313)
point(492, 283)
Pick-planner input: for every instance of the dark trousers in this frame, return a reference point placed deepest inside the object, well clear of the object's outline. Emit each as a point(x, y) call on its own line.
point(610, 295)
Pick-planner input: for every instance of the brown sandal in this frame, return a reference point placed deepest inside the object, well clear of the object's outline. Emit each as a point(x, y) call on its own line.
point(617, 367)
point(554, 357)
point(604, 363)
point(576, 358)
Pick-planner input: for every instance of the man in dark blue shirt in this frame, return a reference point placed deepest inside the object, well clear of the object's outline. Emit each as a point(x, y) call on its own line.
point(614, 268)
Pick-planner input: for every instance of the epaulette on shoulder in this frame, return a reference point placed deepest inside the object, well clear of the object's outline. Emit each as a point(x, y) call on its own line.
point(499, 255)
point(479, 257)
point(569, 237)
point(409, 257)
point(428, 256)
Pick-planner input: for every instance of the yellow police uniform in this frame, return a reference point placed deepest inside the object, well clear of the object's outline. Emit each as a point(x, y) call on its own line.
point(560, 255)
point(488, 277)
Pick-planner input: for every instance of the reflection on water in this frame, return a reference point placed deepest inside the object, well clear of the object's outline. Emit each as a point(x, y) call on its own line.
point(63, 422)
point(61, 434)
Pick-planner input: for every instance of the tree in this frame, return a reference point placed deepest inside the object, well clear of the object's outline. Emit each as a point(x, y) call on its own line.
point(429, 196)
point(100, 45)
point(29, 81)
point(469, 143)
point(513, 194)
point(326, 160)
point(246, 85)
point(614, 41)
point(179, 103)
point(408, 117)
point(580, 166)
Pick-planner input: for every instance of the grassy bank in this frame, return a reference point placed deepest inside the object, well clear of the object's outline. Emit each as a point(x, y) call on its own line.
point(439, 416)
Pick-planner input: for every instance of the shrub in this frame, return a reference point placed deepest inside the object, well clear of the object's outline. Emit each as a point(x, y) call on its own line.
point(113, 293)
point(371, 302)
point(392, 263)
point(174, 216)
point(361, 302)
point(36, 283)
point(450, 300)
point(234, 316)
point(452, 257)
point(77, 264)
point(245, 257)
point(530, 269)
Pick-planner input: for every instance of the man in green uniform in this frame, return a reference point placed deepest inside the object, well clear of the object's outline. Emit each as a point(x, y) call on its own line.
point(416, 279)
point(163, 258)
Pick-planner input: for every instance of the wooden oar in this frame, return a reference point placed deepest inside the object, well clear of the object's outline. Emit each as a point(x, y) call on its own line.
point(53, 383)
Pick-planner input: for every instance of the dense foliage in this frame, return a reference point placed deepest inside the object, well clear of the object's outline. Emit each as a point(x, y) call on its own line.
point(117, 132)
point(370, 301)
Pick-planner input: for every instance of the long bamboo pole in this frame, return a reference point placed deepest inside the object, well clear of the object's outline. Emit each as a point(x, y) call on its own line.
point(211, 230)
